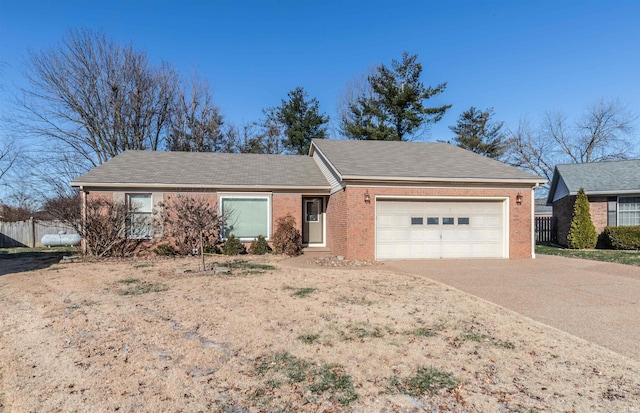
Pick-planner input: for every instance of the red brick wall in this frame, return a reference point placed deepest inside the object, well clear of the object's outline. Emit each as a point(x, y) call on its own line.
point(336, 215)
point(598, 209)
point(563, 212)
point(286, 204)
point(358, 241)
point(100, 195)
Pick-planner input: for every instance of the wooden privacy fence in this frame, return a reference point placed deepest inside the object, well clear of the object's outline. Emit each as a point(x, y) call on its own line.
point(29, 233)
point(545, 230)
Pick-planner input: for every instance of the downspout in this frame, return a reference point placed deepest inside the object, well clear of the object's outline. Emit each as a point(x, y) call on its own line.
point(533, 222)
point(83, 207)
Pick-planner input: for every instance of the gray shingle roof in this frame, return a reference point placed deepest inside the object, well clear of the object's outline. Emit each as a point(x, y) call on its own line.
point(420, 160)
point(542, 207)
point(609, 177)
point(205, 170)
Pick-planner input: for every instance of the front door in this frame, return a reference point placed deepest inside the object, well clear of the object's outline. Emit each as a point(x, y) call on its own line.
point(313, 225)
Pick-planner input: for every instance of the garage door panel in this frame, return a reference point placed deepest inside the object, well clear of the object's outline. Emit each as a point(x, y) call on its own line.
point(477, 229)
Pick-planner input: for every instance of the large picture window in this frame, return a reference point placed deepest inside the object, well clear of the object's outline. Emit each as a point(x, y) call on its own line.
point(246, 217)
point(628, 211)
point(140, 222)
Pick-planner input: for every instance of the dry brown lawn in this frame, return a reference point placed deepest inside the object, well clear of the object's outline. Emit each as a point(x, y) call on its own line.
point(135, 336)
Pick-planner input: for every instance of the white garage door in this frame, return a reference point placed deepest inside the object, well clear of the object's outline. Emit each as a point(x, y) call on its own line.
point(438, 229)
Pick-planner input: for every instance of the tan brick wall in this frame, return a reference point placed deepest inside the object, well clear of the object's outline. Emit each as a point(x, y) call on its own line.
point(563, 213)
point(359, 242)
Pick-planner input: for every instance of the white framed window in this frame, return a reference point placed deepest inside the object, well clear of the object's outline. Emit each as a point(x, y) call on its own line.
point(628, 211)
point(140, 223)
point(246, 216)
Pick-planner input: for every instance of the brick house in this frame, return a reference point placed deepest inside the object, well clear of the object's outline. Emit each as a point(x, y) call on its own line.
point(358, 199)
point(613, 189)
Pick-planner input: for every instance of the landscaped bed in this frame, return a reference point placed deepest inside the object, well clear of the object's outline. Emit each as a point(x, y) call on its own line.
point(140, 336)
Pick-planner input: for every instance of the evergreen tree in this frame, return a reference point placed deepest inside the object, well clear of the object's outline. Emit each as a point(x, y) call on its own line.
point(301, 121)
point(582, 233)
point(392, 108)
point(475, 132)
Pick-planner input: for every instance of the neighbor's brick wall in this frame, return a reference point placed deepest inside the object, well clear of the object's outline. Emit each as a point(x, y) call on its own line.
point(360, 217)
point(563, 212)
point(598, 209)
point(336, 216)
point(99, 195)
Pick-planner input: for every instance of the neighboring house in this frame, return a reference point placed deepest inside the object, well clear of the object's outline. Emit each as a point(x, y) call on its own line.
point(542, 209)
point(359, 199)
point(613, 189)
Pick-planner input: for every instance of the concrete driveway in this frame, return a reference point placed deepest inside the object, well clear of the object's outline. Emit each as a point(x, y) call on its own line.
point(599, 302)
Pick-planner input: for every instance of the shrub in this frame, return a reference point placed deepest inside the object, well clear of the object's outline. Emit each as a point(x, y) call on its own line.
point(165, 250)
point(287, 239)
point(622, 238)
point(191, 222)
point(233, 246)
point(259, 246)
point(582, 233)
point(212, 249)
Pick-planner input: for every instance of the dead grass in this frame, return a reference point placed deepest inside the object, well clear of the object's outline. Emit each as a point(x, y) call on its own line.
point(331, 340)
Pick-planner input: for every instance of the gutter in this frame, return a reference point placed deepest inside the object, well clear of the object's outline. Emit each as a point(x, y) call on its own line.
point(378, 179)
point(86, 185)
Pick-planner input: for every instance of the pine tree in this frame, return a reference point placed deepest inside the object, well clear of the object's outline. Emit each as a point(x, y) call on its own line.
point(301, 120)
point(393, 108)
point(475, 132)
point(582, 233)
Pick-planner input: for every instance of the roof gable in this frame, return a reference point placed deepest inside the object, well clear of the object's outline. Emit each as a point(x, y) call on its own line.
point(597, 178)
point(205, 170)
point(437, 161)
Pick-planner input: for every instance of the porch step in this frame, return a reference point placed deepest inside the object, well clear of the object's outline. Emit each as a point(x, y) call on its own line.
point(316, 251)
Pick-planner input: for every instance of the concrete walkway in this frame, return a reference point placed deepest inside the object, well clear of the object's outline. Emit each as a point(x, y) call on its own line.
point(599, 302)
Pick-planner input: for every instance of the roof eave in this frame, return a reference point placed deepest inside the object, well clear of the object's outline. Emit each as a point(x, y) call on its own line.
point(609, 192)
point(325, 160)
point(103, 185)
point(396, 179)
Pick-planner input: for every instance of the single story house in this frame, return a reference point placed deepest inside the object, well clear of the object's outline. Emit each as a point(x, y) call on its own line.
point(359, 199)
point(613, 189)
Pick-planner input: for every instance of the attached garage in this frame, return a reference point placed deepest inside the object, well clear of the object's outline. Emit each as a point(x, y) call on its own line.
point(441, 228)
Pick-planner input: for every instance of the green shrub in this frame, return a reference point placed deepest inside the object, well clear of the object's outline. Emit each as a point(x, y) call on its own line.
point(212, 249)
point(259, 246)
point(622, 238)
point(165, 250)
point(287, 239)
point(582, 233)
point(233, 246)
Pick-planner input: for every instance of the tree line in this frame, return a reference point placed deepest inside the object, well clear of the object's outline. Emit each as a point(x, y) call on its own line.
point(90, 98)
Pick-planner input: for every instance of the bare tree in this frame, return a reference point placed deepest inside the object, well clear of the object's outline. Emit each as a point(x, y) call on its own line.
point(264, 136)
point(196, 125)
point(604, 132)
point(8, 156)
point(191, 223)
point(96, 97)
point(104, 227)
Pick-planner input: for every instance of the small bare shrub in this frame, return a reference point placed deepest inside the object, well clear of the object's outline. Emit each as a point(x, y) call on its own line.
point(286, 238)
point(104, 231)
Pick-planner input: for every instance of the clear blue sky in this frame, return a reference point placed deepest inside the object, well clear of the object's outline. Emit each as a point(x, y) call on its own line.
point(520, 57)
